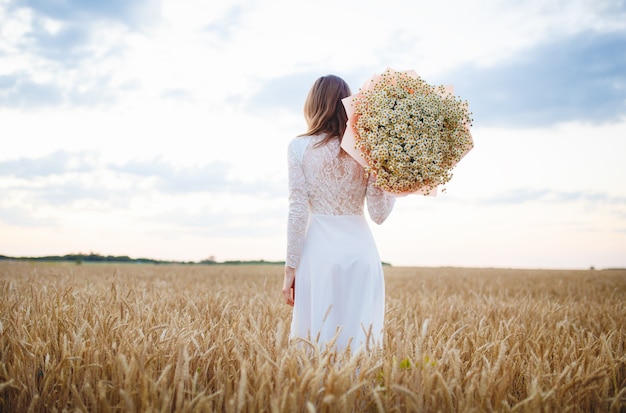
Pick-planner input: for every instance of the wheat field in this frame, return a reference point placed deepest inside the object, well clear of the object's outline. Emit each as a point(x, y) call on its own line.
point(168, 338)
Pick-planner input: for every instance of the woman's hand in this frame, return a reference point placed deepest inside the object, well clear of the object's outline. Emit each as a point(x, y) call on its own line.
point(289, 285)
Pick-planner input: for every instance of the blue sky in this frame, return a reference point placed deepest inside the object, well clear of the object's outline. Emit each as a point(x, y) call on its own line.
point(159, 128)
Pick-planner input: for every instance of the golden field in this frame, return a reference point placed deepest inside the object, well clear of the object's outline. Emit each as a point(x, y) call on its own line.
point(111, 338)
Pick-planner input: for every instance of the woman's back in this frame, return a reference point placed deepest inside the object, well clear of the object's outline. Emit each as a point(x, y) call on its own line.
point(335, 183)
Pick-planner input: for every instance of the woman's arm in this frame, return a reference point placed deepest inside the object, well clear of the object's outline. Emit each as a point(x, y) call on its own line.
point(379, 203)
point(289, 285)
point(298, 204)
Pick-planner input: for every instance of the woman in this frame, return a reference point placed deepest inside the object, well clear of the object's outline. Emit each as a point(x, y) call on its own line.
point(333, 273)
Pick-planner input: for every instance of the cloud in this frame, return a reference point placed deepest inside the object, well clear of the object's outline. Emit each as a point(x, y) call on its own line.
point(70, 42)
point(285, 92)
point(72, 191)
point(20, 90)
point(63, 177)
point(582, 77)
point(181, 95)
point(127, 12)
point(289, 92)
point(61, 53)
point(56, 53)
point(57, 163)
point(18, 216)
point(523, 195)
point(199, 199)
point(224, 223)
point(70, 31)
point(212, 177)
point(224, 28)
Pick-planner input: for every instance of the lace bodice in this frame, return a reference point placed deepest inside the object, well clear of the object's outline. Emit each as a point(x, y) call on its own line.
point(323, 181)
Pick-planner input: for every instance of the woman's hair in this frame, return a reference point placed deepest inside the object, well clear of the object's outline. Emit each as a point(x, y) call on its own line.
point(323, 110)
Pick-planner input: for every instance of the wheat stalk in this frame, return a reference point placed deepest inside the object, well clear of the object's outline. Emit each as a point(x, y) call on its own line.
point(216, 338)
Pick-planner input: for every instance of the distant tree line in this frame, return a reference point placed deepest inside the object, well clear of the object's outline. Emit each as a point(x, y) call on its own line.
point(97, 258)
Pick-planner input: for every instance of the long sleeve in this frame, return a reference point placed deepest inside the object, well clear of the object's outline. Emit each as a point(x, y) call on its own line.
point(379, 203)
point(298, 206)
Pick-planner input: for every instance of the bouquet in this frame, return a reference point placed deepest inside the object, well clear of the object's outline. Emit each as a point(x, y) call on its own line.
point(408, 134)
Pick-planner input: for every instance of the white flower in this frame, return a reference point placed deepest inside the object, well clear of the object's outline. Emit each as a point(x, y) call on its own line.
point(411, 134)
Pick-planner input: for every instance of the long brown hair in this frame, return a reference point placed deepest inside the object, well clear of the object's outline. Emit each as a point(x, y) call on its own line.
point(323, 110)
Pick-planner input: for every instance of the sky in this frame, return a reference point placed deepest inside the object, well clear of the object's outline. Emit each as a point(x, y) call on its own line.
point(159, 129)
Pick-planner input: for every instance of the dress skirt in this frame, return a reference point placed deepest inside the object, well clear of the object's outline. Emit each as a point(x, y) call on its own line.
point(340, 288)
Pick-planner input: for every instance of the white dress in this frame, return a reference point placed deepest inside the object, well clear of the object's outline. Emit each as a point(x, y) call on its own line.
point(339, 286)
